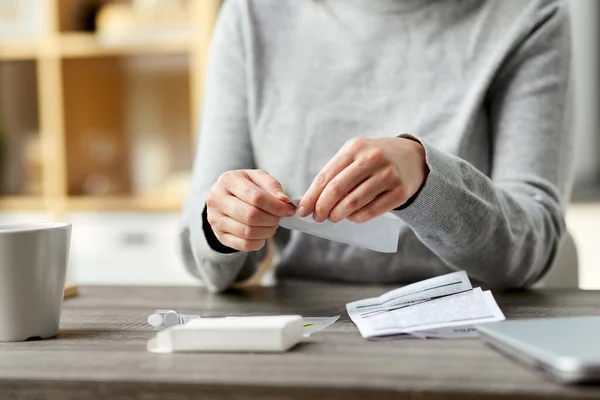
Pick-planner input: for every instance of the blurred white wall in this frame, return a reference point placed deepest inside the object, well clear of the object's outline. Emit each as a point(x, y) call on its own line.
point(583, 220)
point(585, 35)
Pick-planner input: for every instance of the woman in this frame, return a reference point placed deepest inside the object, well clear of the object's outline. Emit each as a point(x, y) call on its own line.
point(451, 114)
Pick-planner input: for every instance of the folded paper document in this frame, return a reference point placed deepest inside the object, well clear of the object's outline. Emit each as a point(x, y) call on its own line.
point(442, 307)
point(379, 234)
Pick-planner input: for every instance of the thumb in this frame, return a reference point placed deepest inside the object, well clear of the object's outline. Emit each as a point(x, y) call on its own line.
point(267, 182)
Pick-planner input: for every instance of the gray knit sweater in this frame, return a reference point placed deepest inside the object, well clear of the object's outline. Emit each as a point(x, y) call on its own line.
point(482, 84)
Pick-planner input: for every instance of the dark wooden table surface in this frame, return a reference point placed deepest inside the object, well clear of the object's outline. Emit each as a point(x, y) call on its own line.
point(101, 352)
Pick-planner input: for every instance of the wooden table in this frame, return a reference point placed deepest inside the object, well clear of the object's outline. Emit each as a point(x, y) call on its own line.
point(101, 352)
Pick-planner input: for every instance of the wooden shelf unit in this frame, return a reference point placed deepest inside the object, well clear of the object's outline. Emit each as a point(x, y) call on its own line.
point(64, 58)
point(18, 50)
point(123, 203)
point(21, 203)
point(86, 45)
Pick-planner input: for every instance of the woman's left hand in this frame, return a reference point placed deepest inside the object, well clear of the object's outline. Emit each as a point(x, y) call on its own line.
point(366, 178)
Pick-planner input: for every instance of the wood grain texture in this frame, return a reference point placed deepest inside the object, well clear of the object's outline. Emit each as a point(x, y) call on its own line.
point(96, 146)
point(100, 351)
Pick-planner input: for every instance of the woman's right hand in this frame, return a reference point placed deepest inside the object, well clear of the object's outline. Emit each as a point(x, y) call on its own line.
point(244, 208)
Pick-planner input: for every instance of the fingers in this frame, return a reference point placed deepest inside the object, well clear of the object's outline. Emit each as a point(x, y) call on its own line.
point(265, 181)
point(337, 164)
point(247, 214)
point(235, 235)
point(225, 224)
point(244, 208)
point(358, 198)
point(238, 235)
point(249, 186)
point(342, 184)
point(380, 205)
point(384, 169)
point(241, 244)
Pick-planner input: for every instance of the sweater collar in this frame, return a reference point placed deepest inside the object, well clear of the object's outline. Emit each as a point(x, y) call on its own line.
point(385, 6)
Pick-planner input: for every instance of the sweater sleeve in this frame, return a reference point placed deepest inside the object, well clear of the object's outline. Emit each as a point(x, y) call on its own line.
point(504, 229)
point(224, 144)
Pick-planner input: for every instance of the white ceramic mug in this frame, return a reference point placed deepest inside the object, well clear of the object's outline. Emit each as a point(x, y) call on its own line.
point(33, 266)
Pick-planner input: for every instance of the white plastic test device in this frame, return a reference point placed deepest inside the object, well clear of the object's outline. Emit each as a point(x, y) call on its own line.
point(231, 334)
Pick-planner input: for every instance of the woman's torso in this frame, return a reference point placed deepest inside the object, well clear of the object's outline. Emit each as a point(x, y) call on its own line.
point(321, 72)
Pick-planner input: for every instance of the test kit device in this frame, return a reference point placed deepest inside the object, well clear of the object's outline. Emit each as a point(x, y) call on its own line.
point(231, 334)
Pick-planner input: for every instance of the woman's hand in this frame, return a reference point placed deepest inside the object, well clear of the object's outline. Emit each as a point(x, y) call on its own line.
point(365, 179)
point(244, 208)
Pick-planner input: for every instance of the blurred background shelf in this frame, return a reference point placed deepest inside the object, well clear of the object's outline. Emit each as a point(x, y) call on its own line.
point(88, 45)
point(124, 203)
point(25, 50)
point(109, 98)
point(21, 203)
point(99, 100)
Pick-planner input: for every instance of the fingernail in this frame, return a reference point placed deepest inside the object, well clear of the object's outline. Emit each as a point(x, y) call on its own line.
point(291, 211)
point(283, 196)
point(302, 211)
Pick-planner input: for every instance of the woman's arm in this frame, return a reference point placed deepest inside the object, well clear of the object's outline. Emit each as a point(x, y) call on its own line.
point(223, 145)
point(505, 230)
